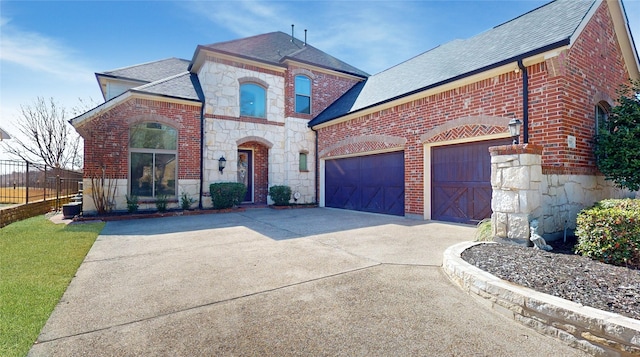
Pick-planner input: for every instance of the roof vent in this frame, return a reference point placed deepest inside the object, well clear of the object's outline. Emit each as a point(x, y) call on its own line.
point(291, 32)
point(305, 37)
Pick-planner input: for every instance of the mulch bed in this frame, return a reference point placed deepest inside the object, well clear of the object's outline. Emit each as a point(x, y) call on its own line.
point(562, 273)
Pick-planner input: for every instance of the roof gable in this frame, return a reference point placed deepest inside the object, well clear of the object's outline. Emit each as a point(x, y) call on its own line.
point(549, 26)
point(276, 47)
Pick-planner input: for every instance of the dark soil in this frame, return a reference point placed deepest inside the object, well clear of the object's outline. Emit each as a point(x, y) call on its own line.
point(562, 273)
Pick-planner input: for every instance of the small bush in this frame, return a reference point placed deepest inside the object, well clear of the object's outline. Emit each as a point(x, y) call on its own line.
point(132, 203)
point(186, 201)
point(227, 194)
point(610, 232)
point(280, 195)
point(483, 231)
point(161, 203)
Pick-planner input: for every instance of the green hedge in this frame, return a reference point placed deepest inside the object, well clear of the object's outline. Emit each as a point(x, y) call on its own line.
point(280, 195)
point(227, 194)
point(610, 232)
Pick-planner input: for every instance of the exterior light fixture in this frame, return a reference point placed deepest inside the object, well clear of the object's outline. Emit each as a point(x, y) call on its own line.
point(514, 130)
point(222, 163)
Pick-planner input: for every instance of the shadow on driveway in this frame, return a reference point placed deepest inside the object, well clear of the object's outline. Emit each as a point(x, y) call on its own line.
point(240, 284)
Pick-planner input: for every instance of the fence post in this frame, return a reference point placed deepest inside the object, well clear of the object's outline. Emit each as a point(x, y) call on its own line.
point(58, 192)
point(44, 183)
point(26, 192)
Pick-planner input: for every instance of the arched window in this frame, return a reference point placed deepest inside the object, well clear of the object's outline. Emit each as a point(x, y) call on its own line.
point(252, 100)
point(602, 115)
point(152, 164)
point(303, 95)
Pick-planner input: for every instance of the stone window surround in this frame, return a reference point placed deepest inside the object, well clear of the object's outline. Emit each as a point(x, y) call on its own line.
point(305, 167)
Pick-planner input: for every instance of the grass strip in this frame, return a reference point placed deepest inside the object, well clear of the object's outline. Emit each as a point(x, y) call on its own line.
point(38, 259)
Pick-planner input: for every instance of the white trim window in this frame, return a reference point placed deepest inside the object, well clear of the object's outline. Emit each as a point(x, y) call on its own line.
point(153, 160)
point(303, 94)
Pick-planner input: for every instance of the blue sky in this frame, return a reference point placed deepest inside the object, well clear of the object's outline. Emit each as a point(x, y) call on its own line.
point(53, 48)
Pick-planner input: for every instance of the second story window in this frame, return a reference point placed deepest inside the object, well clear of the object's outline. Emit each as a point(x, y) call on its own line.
point(252, 100)
point(303, 95)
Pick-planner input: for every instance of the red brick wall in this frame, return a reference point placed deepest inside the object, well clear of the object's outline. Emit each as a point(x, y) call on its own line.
point(562, 94)
point(495, 97)
point(106, 136)
point(325, 89)
point(589, 72)
point(260, 171)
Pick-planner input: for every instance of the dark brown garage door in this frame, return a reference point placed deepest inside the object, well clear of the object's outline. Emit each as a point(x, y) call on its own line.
point(372, 183)
point(461, 181)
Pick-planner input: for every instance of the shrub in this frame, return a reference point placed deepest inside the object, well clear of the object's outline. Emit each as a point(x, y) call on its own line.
point(610, 232)
point(227, 194)
point(161, 203)
point(132, 203)
point(186, 201)
point(618, 139)
point(280, 195)
point(483, 231)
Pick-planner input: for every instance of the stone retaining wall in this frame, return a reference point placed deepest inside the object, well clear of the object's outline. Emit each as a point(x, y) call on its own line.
point(17, 213)
point(597, 332)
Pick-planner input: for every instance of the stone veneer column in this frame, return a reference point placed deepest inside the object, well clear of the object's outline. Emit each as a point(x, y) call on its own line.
point(516, 175)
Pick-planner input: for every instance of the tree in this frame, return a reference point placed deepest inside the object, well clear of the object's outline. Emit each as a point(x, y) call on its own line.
point(46, 136)
point(617, 146)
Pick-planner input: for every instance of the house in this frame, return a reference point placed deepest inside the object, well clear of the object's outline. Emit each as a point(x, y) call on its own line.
point(166, 126)
point(412, 140)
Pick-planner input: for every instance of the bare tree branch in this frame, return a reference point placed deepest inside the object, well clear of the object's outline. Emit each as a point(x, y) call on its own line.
point(47, 137)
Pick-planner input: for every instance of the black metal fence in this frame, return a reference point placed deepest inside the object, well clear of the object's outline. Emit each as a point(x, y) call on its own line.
point(24, 182)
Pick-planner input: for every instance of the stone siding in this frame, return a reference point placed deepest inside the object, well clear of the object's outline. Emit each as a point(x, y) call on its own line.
point(221, 86)
point(523, 191)
point(282, 142)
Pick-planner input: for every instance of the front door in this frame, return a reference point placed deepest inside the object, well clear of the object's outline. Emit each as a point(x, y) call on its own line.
point(245, 172)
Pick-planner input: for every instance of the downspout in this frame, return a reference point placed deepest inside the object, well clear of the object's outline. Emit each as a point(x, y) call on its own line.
point(317, 167)
point(525, 101)
point(201, 154)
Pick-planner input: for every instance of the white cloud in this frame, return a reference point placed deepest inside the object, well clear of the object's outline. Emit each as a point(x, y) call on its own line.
point(243, 18)
point(40, 54)
point(372, 37)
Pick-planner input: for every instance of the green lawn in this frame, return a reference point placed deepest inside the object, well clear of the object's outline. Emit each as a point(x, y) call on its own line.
point(37, 261)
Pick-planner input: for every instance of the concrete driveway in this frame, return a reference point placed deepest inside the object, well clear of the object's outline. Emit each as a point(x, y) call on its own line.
point(278, 282)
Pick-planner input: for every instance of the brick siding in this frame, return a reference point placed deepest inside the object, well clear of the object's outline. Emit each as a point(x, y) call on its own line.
point(325, 89)
point(106, 136)
point(562, 94)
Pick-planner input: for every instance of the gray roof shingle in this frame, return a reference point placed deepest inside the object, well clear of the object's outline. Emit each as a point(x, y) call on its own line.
point(151, 71)
point(546, 26)
point(184, 85)
point(276, 47)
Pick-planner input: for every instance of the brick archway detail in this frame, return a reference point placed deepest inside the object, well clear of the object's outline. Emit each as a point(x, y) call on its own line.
point(466, 127)
point(363, 144)
point(257, 139)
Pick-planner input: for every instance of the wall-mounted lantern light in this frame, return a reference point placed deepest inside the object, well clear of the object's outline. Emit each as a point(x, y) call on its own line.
point(514, 130)
point(222, 163)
